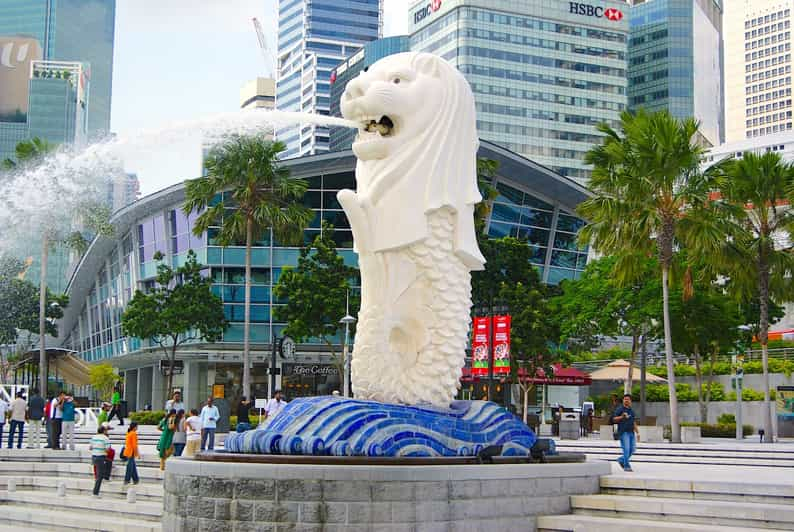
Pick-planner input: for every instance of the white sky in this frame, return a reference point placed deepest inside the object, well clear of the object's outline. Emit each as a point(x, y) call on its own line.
point(180, 60)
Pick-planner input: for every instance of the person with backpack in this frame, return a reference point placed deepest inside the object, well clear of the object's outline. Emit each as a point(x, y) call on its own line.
point(131, 453)
point(100, 446)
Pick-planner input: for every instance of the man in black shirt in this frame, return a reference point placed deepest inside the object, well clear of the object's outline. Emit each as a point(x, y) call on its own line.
point(36, 414)
point(627, 428)
point(243, 423)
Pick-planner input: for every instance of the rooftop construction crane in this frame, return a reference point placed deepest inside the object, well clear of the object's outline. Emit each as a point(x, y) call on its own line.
point(267, 55)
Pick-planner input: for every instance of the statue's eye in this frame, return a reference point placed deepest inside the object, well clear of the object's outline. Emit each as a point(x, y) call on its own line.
point(396, 81)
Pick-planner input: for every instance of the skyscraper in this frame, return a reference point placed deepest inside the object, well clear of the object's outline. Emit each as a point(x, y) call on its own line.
point(675, 61)
point(544, 74)
point(259, 93)
point(757, 68)
point(314, 36)
point(71, 30)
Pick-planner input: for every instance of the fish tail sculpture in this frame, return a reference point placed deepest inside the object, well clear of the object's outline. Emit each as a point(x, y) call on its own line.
point(413, 227)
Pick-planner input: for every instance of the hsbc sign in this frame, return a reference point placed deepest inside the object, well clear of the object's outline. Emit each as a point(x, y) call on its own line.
point(426, 11)
point(610, 13)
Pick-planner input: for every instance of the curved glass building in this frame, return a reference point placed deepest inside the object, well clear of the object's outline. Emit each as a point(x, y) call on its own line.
point(534, 204)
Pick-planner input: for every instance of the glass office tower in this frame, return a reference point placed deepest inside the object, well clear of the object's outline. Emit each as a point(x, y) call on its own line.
point(314, 36)
point(675, 61)
point(544, 74)
point(71, 30)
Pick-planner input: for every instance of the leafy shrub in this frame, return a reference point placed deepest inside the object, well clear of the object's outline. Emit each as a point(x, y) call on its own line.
point(726, 430)
point(748, 394)
point(659, 371)
point(726, 419)
point(147, 417)
point(717, 391)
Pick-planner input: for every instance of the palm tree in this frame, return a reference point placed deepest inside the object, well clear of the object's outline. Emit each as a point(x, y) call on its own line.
point(260, 195)
point(650, 197)
point(758, 189)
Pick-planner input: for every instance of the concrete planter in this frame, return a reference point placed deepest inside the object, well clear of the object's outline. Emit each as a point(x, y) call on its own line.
point(690, 434)
point(651, 434)
point(240, 496)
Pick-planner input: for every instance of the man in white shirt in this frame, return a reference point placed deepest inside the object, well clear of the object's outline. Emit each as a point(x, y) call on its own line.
point(275, 405)
point(56, 419)
point(209, 419)
point(19, 414)
point(175, 403)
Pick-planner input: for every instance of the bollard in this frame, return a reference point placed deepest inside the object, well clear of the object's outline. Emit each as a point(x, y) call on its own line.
point(11, 485)
point(131, 495)
point(61, 489)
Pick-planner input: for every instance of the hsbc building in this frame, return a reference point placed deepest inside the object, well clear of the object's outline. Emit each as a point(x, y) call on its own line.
point(544, 73)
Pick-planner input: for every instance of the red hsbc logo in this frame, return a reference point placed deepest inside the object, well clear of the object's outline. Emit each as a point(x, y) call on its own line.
point(587, 10)
point(426, 11)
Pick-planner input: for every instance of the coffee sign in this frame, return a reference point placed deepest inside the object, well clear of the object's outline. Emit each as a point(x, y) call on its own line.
point(312, 370)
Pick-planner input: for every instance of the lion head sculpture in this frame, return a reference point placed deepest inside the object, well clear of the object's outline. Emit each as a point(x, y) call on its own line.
point(417, 152)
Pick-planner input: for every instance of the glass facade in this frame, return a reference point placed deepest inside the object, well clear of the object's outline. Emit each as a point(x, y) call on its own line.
point(675, 61)
point(543, 74)
point(314, 36)
point(71, 30)
point(341, 137)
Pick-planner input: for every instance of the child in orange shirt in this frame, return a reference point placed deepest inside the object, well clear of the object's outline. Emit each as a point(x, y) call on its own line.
point(131, 453)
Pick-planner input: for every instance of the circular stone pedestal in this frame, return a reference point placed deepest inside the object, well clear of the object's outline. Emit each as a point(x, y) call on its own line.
point(204, 495)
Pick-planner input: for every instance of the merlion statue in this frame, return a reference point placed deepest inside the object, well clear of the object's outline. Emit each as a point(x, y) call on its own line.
point(413, 227)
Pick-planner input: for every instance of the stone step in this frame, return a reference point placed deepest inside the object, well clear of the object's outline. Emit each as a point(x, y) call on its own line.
point(85, 505)
point(72, 470)
point(149, 492)
point(591, 523)
point(645, 457)
point(698, 489)
point(31, 518)
point(731, 513)
point(675, 451)
point(67, 456)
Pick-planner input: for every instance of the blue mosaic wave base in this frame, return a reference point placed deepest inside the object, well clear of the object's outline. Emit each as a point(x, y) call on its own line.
point(337, 426)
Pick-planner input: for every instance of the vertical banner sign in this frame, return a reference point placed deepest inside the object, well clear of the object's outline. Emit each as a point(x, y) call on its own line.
point(480, 339)
point(501, 354)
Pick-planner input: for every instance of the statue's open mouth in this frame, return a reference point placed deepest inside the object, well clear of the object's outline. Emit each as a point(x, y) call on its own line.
point(382, 126)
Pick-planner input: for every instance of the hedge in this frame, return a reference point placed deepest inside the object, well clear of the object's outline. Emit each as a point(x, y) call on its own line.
point(727, 430)
point(754, 367)
point(147, 417)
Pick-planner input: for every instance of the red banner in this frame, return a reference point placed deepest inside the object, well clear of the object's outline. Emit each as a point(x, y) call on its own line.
point(501, 353)
point(480, 338)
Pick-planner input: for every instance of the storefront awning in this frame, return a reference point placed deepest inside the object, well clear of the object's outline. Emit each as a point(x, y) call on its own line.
point(65, 364)
point(562, 377)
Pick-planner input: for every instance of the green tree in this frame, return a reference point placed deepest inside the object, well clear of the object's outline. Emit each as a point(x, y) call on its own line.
point(486, 170)
point(103, 378)
point(29, 151)
point(705, 322)
point(597, 305)
point(755, 189)
point(510, 280)
point(181, 308)
point(650, 198)
point(256, 195)
point(316, 293)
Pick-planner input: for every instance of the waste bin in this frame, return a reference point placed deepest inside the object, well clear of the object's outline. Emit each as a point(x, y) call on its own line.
point(570, 426)
point(123, 411)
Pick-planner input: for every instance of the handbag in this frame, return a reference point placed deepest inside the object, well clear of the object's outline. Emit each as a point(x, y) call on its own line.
point(121, 455)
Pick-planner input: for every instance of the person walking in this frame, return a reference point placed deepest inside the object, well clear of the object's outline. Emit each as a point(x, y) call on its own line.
point(19, 414)
point(100, 445)
point(243, 421)
point(131, 453)
point(67, 422)
point(209, 419)
point(275, 405)
point(103, 414)
point(56, 412)
point(115, 410)
point(628, 431)
point(180, 435)
point(36, 407)
point(165, 446)
point(193, 431)
point(175, 403)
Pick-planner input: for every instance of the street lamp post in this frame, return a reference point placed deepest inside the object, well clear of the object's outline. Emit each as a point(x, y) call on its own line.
point(348, 320)
point(285, 347)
